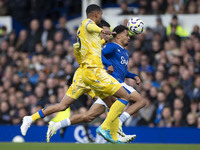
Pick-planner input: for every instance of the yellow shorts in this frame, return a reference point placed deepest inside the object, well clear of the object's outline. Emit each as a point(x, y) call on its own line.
point(100, 81)
point(78, 87)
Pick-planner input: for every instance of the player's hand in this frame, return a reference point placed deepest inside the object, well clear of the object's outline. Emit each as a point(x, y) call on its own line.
point(107, 31)
point(110, 69)
point(137, 79)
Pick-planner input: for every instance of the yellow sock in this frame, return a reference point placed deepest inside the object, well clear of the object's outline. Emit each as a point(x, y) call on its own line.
point(38, 115)
point(114, 129)
point(35, 116)
point(115, 110)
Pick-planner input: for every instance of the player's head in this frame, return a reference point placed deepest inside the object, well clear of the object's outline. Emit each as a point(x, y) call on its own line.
point(104, 25)
point(94, 12)
point(122, 35)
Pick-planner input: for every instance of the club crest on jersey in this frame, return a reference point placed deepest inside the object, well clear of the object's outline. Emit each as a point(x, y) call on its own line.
point(124, 61)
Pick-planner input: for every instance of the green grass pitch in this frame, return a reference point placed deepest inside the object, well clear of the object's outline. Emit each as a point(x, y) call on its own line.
point(73, 146)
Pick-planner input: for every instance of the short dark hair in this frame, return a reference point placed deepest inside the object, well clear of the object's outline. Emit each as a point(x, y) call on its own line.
point(92, 7)
point(119, 29)
point(104, 23)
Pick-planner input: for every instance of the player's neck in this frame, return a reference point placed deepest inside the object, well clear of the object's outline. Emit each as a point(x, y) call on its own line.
point(119, 43)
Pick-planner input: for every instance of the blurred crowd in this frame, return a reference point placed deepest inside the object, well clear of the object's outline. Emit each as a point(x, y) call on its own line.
point(36, 69)
point(26, 9)
point(159, 6)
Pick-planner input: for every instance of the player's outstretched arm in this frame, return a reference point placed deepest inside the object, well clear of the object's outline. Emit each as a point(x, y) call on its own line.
point(91, 27)
point(107, 32)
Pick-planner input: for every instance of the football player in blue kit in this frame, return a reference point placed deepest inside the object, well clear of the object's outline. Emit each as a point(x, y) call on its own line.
point(115, 58)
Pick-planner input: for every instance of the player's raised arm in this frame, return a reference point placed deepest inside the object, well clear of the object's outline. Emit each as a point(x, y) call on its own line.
point(92, 27)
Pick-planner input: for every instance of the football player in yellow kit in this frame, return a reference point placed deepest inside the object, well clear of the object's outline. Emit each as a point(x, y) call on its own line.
point(77, 88)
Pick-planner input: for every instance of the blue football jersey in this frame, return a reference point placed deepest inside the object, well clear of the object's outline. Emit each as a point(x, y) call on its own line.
point(116, 55)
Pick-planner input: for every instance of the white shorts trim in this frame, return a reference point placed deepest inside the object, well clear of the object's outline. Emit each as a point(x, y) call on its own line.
point(129, 88)
point(101, 102)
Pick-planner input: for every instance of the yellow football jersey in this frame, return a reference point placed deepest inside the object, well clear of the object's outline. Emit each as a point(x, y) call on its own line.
point(89, 41)
point(77, 51)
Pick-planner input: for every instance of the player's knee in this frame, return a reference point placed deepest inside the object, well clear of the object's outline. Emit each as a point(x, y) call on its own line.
point(143, 102)
point(129, 97)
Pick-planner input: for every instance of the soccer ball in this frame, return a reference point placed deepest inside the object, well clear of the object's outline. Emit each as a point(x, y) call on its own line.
point(18, 139)
point(135, 25)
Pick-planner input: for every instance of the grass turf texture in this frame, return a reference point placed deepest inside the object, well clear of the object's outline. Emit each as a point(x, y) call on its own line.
point(73, 146)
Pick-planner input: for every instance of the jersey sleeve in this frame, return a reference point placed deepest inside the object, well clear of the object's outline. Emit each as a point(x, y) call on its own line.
point(102, 42)
point(106, 63)
point(76, 52)
point(92, 27)
point(130, 75)
point(108, 49)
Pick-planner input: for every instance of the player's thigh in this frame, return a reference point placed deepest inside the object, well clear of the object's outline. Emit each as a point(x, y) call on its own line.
point(78, 87)
point(112, 86)
point(101, 82)
point(128, 88)
point(122, 94)
point(134, 95)
point(67, 101)
point(75, 91)
point(92, 94)
point(96, 110)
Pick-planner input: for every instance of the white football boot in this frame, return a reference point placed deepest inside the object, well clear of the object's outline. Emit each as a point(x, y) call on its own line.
point(26, 123)
point(51, 130)
point(127, 138)
point(122, 137)
point(120, 131)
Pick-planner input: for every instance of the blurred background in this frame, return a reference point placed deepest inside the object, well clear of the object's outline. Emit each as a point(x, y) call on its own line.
point(37, 62)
